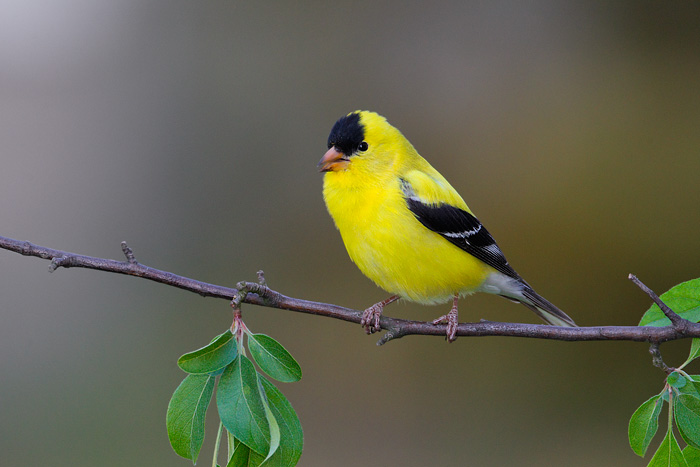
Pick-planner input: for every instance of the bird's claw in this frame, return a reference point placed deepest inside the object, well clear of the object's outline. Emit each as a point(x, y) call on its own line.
point(370, 318)
point(451, 320)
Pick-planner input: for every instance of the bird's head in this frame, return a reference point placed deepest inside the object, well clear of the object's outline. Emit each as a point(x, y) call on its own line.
point(365, 142)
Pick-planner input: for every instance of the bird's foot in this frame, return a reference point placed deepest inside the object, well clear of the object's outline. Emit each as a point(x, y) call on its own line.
point(370, 317)
point(451, 320)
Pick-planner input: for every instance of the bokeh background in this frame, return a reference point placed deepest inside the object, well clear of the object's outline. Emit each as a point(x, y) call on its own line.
point(192, 130)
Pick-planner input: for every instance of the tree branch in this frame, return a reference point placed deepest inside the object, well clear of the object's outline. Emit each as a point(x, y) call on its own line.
point(259, 294)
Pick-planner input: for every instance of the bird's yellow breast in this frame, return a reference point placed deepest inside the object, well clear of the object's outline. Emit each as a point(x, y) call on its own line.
point(390, 246)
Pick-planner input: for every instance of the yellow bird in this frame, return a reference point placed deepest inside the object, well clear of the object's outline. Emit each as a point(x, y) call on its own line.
point(408, 230)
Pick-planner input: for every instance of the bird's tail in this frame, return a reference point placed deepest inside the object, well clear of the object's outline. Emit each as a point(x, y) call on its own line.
point(546, 310)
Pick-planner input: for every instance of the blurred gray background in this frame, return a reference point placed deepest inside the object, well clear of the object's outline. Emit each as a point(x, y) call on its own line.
point(192, 130)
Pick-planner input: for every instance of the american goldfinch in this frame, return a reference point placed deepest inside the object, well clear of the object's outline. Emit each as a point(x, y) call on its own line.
point(408, 230)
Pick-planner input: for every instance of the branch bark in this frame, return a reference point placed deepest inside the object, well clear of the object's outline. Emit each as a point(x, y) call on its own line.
point(259, 294)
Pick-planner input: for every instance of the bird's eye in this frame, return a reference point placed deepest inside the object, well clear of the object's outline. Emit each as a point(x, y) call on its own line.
point(363, 146)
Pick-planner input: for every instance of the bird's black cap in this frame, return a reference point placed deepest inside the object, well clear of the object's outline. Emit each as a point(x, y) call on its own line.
point(347, 134)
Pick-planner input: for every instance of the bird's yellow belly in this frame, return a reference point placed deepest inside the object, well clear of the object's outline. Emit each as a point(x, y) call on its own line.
point(414, 263)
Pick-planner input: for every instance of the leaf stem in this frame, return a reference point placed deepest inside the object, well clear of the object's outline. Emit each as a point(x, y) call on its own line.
point(218, 443)
point(670, 410)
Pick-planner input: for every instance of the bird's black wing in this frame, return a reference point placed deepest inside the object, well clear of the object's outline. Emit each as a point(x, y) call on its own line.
point(460, 228)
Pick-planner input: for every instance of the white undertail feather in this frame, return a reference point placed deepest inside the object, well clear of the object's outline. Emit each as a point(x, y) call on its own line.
point(519, 291)
point(546, 310)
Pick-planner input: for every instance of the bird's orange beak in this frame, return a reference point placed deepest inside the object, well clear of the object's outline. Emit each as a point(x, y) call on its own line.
point(332, 161)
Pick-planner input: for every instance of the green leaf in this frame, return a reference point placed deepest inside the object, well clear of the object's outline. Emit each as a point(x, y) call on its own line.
point(684, 299)
point(686, 409)
point(691, 387)
point(676, 380)
point(211, 358)
point(669, 453)
point(291, 434)
point(241, 407)
point(643, 425)
point(273, 359)
point(694, 351)
point(274, 427)
point(691, 455)
point(243, 456)
point(186, 412)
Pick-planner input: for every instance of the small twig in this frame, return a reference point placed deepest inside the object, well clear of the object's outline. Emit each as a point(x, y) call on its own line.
point(56, 263)
point(657, 360)
point(268, 296)
point(677, 320)
point(128, 252)
point(394, 332)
